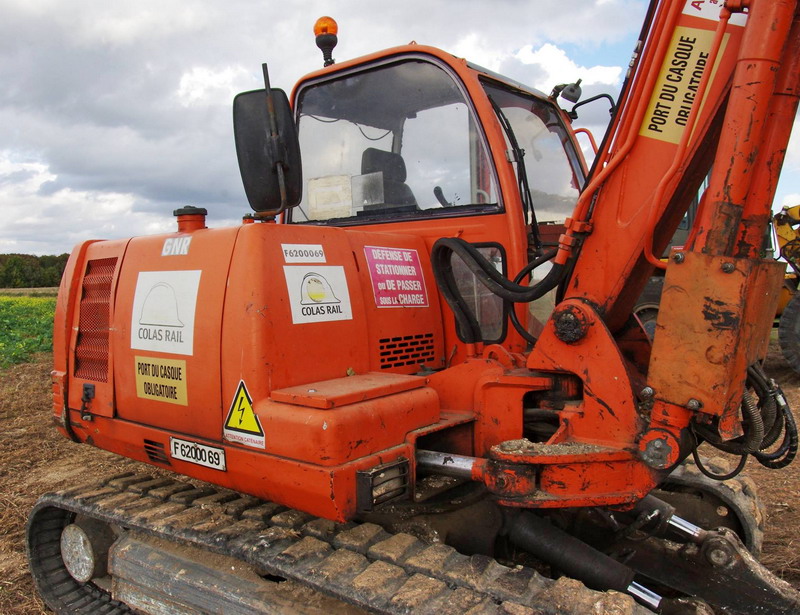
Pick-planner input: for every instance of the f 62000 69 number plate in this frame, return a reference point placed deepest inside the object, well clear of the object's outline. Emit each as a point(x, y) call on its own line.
point(194, 452)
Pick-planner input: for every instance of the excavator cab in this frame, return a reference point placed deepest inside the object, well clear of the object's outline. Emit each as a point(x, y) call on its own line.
point(405, 138)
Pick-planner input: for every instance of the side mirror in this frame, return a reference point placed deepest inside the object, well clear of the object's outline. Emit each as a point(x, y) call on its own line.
point(568, 91)
point(572, 91)
point(268, 150)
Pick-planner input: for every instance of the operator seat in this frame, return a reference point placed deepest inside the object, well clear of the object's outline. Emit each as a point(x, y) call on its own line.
point(393, 167)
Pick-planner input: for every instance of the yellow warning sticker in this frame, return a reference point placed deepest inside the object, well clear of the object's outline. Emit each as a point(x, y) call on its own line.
point(161, 379)
point(242, 424)
point(678, 82)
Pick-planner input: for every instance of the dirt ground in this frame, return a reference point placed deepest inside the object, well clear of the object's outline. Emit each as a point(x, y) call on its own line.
point(35, 459)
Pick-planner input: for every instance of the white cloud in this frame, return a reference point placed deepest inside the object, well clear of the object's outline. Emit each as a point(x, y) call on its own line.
point(31, 213)
point(477, 49)
point(788, 200)
point(788, 190)
point(558, 68)
point(792, 161)
point(115, 114)
point(203, 85)
point(122, 24)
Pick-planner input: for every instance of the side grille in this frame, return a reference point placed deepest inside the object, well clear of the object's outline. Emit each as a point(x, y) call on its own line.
point(156, 452)
point(91, 348)
point(406, 350)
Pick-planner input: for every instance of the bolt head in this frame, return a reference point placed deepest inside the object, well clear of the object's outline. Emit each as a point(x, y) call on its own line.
point(678, 257)
point(728, 267)
point(658, 450)
point(718, 556)
point(570, 326)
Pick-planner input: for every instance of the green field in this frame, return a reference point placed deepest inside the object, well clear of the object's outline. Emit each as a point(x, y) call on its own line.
point(26, 327)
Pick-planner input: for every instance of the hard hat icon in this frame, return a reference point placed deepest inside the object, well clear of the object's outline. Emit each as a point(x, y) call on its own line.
point(160, 307)
point(316, 289)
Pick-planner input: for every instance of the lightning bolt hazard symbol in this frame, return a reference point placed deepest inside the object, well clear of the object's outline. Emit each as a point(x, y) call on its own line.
point(242, 424)
point(241, 401)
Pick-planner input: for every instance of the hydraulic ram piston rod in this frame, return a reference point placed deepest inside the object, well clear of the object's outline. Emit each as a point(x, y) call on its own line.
point(458, 466)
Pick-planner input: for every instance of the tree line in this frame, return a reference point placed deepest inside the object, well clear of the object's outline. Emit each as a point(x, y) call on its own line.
point(29, 271)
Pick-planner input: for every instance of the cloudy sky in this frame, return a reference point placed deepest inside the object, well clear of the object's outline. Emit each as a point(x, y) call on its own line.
point(113, 114)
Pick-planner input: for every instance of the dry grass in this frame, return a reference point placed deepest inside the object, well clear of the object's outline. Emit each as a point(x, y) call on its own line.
point(780, 489)
point(34, 459)
point(24, 441)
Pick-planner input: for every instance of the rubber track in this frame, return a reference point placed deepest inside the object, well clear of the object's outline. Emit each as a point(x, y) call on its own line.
point(58, 589)
point(360, 564)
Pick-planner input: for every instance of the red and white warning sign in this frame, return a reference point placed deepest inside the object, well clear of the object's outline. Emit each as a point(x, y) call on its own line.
point(710, 9)
point(397, 279)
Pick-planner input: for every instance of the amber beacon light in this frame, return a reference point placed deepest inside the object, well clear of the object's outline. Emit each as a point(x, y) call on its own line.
point(325, 30)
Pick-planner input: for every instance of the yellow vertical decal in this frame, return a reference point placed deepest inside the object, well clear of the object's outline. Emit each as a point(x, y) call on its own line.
point(678, 81)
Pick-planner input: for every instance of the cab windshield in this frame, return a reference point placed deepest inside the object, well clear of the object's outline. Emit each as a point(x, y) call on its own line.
point(398, 141)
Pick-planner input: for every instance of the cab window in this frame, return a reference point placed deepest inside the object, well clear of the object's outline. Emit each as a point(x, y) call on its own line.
point(398, 141)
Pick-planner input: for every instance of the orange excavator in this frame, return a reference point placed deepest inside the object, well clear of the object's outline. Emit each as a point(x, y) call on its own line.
point(411, 380)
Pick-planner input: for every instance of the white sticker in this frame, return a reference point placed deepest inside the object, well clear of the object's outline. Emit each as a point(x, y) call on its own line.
point(303, 253)
point(329, 197)
point(709, 9)
point(318, 294)
point(163, 311)
point(194, 452)
point(176, 246)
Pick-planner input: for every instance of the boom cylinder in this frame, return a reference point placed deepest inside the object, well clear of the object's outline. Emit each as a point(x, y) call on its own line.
point(766, 170)
point(718, 222)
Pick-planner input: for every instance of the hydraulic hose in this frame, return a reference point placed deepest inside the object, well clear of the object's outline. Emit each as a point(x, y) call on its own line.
point(788, 448)
point(526, 270)
point(468, 326)
point(751, 441)
point(773, 418)
point(486, 273)
point(763, 425)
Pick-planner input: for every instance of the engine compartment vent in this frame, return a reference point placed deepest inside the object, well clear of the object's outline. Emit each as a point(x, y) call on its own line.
point(91, 348)
point(406, 350)
point(156, 452)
